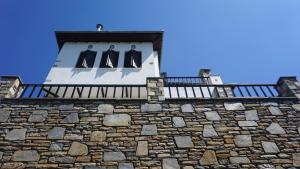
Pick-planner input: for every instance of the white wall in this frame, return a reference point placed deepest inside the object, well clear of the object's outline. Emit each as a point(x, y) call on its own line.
point(64, 71)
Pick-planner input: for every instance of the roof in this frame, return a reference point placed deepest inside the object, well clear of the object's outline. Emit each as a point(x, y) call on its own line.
point(156, 37)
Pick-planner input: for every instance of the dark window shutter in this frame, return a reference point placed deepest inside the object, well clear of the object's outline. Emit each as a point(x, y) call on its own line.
point(114, 57)
point(136, 56)
point(103, 59)
point(127, 59)
point(138, 59)
point(89, 57)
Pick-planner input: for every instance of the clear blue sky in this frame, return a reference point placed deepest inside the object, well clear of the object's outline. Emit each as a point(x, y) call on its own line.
point(249, 41)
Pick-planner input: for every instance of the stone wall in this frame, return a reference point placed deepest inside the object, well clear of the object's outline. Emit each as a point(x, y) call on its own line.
point(169, 135)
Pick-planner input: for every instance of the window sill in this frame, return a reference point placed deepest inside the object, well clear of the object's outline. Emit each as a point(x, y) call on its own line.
point(114, 68)
point(132, 68)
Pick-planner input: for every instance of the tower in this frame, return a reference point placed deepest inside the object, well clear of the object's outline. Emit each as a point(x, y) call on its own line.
point(106, 57)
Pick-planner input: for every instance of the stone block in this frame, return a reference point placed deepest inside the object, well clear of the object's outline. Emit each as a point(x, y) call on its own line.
point(71, 118)
point(270, 147)
point(56, 146)
point(117, 120)
point(39, 116)
point(188, 167)
point(83, 159)
point(142, 148)
point(239, 160)
point(187, 108)
point(73, 137)
point(269, 104)
point(209, 158)
point(16, 134)
point(151, 84)
point(56, 133)
point(26, 155)
point(183, 141)
point(64, 159)
point(243, 140)
point(4, 115)
point(209, 131)
point(275, 111)
point(170, 163)
point(234, 106)
point(247, 123)
point(151, 107)
point(114, 156)
point(125, 166)
point(161, 98)
point(296, 107)
point(296, 159)
point(178, 122)
point(212, 115)
point(266, 166)
point(78, 149)
point(251, 115)
point(98, 136)
point(105, 109)
point(93, 167)
point(66, 107)
point(15, 165)
point(275, 128)
point(89, 119)
point(149, 130)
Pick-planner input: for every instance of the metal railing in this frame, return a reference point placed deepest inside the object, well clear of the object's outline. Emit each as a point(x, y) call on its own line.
point(174, 88)
point(185, 80)
point(193, 91)
point(82, 91)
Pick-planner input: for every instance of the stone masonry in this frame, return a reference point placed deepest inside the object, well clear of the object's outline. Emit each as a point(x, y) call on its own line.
point(155, 89)
point(86, 134)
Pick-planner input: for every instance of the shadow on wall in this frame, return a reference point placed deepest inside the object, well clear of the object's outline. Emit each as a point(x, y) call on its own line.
point(102, 71)
point(76, 71)
point(127, 71)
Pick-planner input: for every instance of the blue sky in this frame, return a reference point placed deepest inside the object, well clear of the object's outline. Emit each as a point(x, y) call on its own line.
point(250, 41)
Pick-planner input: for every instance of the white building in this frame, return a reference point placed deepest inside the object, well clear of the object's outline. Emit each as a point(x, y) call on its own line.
point(80, 55)
point(110, 64)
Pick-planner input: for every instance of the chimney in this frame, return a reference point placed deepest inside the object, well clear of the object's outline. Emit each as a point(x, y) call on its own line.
point(204, 72)
point(209, 77)
point(99, 27)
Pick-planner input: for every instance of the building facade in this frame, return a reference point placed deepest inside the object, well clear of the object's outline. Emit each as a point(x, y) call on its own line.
point(104, 104)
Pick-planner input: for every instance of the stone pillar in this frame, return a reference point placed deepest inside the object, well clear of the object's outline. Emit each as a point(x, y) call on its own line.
point(155, 89)
point(10, 86)
point(288, 87)
point(223, 92)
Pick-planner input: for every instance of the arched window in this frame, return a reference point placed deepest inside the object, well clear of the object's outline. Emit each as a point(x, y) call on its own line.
point(86, 59)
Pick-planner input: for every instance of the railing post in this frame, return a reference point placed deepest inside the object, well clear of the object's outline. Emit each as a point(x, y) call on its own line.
point(10, 86)
point(155, 89)
point(288, 87)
